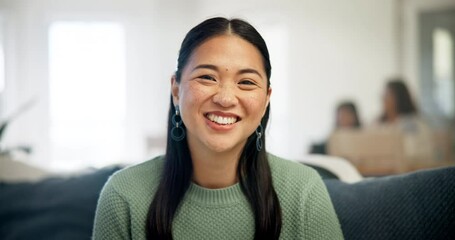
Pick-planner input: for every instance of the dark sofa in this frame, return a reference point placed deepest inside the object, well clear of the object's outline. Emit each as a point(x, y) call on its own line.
point(419, 205)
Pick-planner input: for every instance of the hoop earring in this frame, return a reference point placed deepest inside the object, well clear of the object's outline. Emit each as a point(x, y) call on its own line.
point(178, 123)
point(259, 132)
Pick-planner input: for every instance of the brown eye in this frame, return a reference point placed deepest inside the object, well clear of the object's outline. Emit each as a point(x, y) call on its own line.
point(247, 82)
point(207, 77)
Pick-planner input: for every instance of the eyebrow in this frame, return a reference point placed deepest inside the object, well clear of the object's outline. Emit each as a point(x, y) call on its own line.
point(208, 66)
point(250, 70)
point(215, 68)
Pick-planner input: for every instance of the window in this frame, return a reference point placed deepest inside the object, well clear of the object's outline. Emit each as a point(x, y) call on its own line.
point(2, 68)
point(2, 58)
point(87, 72)
point(443, 71)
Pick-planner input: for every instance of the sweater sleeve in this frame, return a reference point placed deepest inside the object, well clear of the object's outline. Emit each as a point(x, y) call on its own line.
point(112, 218)
point(320, 220)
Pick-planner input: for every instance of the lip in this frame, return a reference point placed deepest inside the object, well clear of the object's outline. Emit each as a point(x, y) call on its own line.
point(220, 127)
point(223, 114)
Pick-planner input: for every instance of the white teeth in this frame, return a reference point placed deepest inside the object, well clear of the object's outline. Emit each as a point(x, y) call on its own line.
point(221, 120)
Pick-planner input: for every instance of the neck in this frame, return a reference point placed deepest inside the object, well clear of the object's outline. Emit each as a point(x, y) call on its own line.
point(213, 169)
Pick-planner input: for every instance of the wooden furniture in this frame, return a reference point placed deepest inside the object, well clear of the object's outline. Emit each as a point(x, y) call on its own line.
point(378, 152)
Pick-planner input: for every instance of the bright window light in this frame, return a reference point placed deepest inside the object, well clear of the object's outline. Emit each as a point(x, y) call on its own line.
point(443, 71)
point(87, 94)
point(2, 68)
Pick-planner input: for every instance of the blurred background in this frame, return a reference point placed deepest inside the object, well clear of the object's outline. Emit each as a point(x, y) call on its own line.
point(86, 83)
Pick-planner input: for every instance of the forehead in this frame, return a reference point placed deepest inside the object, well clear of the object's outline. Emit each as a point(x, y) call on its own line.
point(227, 51)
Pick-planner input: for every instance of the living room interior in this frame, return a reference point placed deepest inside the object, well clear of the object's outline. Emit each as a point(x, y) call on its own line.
point(85, 87)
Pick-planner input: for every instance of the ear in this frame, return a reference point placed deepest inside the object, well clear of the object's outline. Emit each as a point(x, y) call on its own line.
point(269, 93)
point(175, 86)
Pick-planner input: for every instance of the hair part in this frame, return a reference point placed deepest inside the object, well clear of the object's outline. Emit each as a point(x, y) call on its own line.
point(253, 169)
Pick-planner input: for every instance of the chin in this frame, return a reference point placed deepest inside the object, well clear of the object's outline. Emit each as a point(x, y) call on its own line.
point(220, 147)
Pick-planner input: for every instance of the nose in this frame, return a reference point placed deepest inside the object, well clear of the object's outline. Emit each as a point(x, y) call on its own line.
point(225, 96)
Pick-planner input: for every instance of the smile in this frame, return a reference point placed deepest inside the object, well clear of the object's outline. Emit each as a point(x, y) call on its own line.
point(222, 120)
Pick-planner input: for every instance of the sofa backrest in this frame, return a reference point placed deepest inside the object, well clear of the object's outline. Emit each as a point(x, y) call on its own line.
point(419, 205)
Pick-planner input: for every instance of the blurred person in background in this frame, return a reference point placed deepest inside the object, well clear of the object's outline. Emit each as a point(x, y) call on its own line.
point(401, 115)
point(398, 106)
point(346, 117)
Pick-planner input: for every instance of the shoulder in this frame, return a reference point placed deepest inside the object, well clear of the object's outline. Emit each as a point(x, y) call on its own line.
point(290, 175)
point(304, 200)
point(139, 179)
point(286, 169)
point(124, 200)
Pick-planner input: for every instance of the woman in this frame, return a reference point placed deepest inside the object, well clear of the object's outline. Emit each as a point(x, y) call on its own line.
point(346, 117)
point(400, 115)
point(399, 109)
point(216, 180)
point(397, 102)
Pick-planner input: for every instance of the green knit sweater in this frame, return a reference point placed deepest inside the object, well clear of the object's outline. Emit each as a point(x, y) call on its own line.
point(216, 213)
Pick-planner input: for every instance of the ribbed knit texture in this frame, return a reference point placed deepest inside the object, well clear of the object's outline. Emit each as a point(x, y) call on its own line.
point(216, 213)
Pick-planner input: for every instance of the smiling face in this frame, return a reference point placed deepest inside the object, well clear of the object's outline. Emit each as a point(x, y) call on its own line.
point(222, 94)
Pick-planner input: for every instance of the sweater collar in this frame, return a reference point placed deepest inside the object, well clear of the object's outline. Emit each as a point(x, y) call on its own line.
point(215, 197)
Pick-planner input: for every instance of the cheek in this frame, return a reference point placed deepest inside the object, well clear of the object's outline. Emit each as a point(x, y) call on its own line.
point(191, 98)
point(389, 102)
point(191, 94)
point(255, 104)
point(339, 117)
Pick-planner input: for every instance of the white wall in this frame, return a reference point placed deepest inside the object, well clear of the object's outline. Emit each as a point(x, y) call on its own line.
point(322, 51)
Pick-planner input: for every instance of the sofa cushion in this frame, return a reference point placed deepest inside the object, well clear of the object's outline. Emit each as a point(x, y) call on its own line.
point(419, 205)
point(55, 208)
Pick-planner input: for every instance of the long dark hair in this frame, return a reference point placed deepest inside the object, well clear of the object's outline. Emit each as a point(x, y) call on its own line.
point(253, 169)
point(403, 100)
